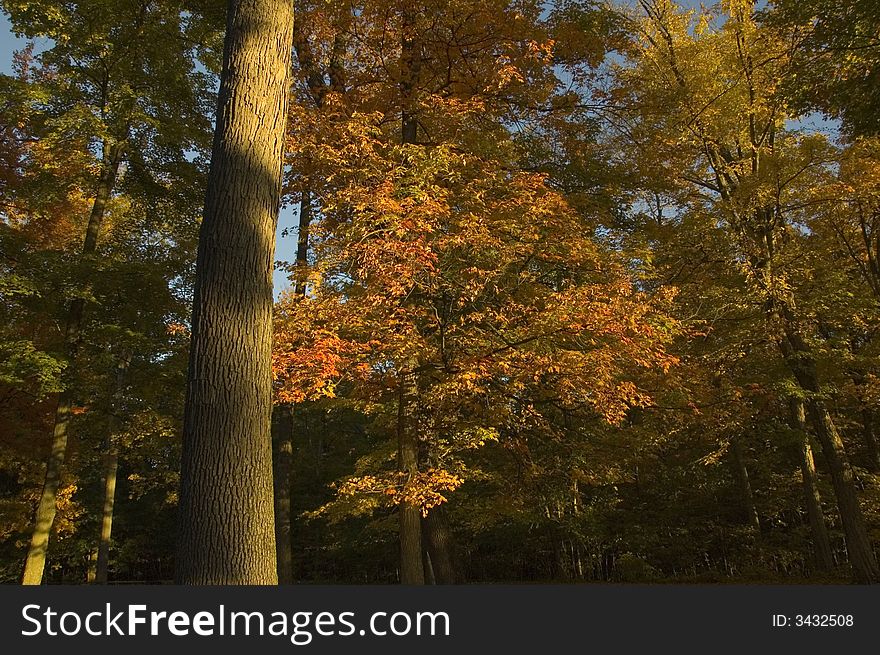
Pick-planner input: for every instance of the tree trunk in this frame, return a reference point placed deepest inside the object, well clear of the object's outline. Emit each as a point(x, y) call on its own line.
point(858, 545)
point(745, 486)
point(111, 464)
point(812, 498)
point(870, 437)
point(427, 564)
point(302, 242)
point(283, 440)
point(91, 566)
point(103, 563)
point(410, 519)
point(802, 364)
point(45, 513)
point(226, 532)
point(409, 515)
point(438, 545)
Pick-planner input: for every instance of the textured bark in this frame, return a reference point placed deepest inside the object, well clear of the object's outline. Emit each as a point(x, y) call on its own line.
point(803, 366)
point(812, 498)
point(103, 562)
point(745, 486)
point(438, 545)
point(45, 512)
point(282, 437)
point(226, 532)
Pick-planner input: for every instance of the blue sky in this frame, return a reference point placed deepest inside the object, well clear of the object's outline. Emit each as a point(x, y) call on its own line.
point(8, 45)
point(286, 246)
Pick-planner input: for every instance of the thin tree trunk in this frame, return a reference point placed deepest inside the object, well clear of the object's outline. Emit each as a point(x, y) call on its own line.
point(409, 515)
point(92, 566)
point(870, 437)
point(283, 439)
point(111, 464)
point(302, 242)
point(226, 531)
point(802, 365)
point(427, 564)
point(103, 563)
point(283, 461)
point(438, 545)
point(745, 486)
point(284, 443)
point(45, 512)
point(858, 545)
point(812, 499)
point(410, 520)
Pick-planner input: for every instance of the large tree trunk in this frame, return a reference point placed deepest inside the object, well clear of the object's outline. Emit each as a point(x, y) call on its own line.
point(45, 513)
point(226, 532)
point(803, 366)
point(282, 429)
point(812, 498)
point(745, 486)
point(438, 546)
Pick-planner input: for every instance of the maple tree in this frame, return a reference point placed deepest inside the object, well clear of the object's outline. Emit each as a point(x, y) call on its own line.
point(451, 291)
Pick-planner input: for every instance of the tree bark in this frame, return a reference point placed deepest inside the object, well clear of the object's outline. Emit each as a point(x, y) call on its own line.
point(226, 532)
point(438, 544)
point(812, 499)
point(745, 486)
point(283, 461)
point(45, 512)
point(802, 364)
